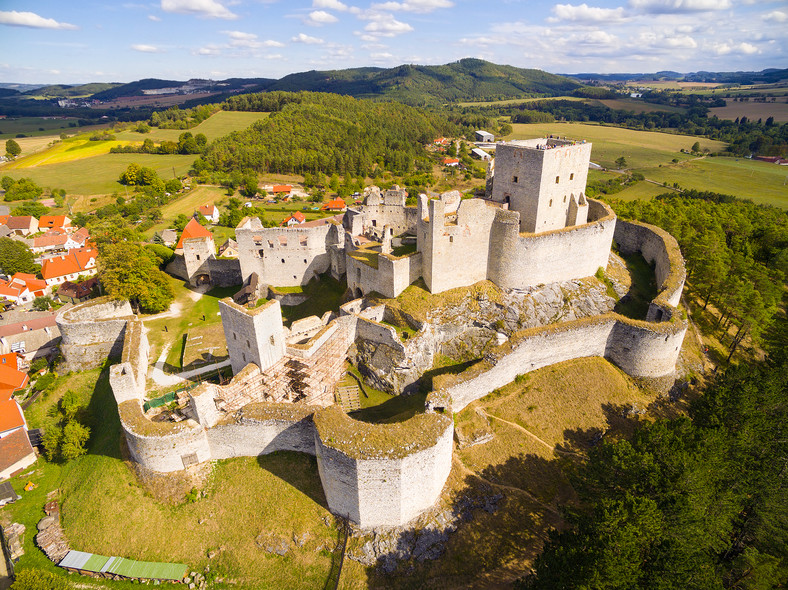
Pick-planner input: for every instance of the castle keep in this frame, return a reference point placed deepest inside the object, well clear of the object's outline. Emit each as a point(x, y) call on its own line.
point(535, 228)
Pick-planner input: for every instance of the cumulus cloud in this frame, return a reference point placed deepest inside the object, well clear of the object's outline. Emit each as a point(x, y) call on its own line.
point(302, 38)
point(679, 6)
point(154, 18)
point(210, 50)
point(145, 48)
point(318, 18)
point(249, 40)
point(730, 47)
point(585, 13)
point(385, 25)
point(203, 8)
point(777, 16)
point(331, 5)
point(32, 20)
point(420, 6)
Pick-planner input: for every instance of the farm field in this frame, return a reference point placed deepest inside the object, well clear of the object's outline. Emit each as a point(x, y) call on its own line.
point(638, 106)
point(38, 126)
point(640, 148)
point(752, 110)
point(510, 101)
point(85, 167)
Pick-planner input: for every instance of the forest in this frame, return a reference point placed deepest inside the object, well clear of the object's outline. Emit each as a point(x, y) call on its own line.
point(328, 133)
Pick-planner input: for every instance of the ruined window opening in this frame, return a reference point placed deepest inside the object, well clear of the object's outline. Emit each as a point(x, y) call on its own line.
point(304, 260)
point(235, 336)
point(451, 238)
point(283, 260)
point(514, 179)
point(557, 178)
point(564, 198)
point(374, 223)
point(261, 253)
point(248, 345)
point(243, 354)
point(550, 204)
point(572, 176)
point(273, 342)
point(198, 256)
point(270, 244)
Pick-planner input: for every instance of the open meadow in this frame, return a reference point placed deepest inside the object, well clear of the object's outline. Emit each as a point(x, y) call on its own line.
point(753, 110)
point(38, 126)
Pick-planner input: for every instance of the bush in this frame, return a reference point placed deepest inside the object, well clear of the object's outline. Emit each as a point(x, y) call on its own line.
point(45, 382)
point(38, 580)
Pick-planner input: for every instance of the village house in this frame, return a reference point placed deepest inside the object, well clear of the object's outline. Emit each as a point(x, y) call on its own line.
point(52, 221)
point(23, 288)
point(295, 218)
point(229, 249)
point(193, 229)
point(22, 225)
point(210, 212)
point(451, 161)
point(16, 452)
point(337, 204)
point(76, 292)
point(69, 266)
point(32, 338)
point(169, 237)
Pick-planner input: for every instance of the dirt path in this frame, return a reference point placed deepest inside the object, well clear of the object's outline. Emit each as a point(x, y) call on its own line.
point(528, 432)
point(501, 486)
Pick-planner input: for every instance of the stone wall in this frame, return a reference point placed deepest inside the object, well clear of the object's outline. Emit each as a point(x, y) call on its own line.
point(225, 272)
point(93, 331)
point(525, 260)
point(197, 255)
point(391, 277)
point(285, 256)
point(539, 183)
point(380, 475)
point(659, 248)
point(253, 335)
point(128, 378)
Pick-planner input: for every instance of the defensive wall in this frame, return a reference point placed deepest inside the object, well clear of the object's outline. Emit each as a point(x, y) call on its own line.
point(523, 260)
point(640, 348)
point(287, 256)
point(93, 331)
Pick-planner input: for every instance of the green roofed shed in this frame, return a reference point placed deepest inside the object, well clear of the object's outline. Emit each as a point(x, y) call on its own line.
point(152, 570)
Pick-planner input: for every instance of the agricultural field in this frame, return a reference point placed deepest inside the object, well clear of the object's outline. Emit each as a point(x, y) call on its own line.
point(38, 126)
point(511, 101)
point(637, 106)
point(84, 167)
point(752, 110)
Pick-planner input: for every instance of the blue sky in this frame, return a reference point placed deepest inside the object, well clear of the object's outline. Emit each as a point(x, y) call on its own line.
point(52, 41)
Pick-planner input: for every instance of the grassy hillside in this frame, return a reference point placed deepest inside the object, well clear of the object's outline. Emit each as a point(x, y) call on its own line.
point(67, 91)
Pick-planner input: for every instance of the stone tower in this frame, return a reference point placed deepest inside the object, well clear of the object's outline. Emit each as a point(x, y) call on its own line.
point(253, 335)
point(544, 180)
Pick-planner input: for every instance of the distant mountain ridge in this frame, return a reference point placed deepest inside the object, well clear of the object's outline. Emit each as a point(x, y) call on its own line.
point(767, 76)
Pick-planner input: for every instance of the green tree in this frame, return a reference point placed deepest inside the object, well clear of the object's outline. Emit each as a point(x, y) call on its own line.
point(7, 182)
point(75, 437)
point(12, 149)
point(131, 176)
point(695, 147)
point(621, 162)
point(33, 209)
point(42, 303)
point(129, 271)
point(16, 257)
point(22, 190)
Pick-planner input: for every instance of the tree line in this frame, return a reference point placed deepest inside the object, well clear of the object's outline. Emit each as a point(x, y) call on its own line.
point(186, 144)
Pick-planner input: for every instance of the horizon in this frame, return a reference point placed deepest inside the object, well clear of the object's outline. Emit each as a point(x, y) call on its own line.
point(219, 39)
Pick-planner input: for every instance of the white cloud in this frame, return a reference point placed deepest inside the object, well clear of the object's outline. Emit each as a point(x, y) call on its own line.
point(331, 5)
point(249, 40)
point(204, 8)
point(32, 20)
point(145, 48)
point(598, 38)
point(384, 55)
point(679, 6)
point(777, 16)
point(302, 38)
point(420, 6)
point(154, 18)
point(585, 13)
point(210, 50)
point(385, 25)
point(318, 18)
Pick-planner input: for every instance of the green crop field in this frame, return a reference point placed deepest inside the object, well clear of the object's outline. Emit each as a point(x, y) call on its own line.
point(99, 175)
point(219, 125)
point(37, 126)
point(68, 150)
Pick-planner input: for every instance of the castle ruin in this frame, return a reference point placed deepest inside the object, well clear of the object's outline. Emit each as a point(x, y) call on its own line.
point(535, 228)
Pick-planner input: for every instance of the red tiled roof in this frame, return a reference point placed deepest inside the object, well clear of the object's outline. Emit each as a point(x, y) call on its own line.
point(337, 204)
point(50, 240)
point(282, 188)
point(207, 210)
point(73, 262)
point(451, 161)
point(13, 448)
point(12, 378)
point(52, 221)
point(10, 416)
point(4, 219)
point(297, 215)
point(193, 229)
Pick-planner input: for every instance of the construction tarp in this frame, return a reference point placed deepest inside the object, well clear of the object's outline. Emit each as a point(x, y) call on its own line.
point(128, 568)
